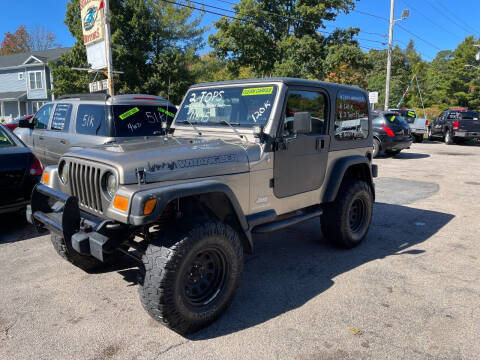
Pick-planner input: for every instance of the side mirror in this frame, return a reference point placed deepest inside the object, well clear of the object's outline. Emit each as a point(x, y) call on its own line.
point(24, 123)
point(302, 123)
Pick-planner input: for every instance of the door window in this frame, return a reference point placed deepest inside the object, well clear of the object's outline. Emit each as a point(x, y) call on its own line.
point(91, 120)
point(306, 101)
point(351, 120)
point(43, 116)
point(61, 117)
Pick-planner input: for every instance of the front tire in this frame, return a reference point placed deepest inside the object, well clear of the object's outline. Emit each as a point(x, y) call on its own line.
point(191, 276)
point(346, 221)
point(67, 252)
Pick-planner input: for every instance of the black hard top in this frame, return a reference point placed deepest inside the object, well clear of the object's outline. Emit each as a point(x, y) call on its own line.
point(285, 80)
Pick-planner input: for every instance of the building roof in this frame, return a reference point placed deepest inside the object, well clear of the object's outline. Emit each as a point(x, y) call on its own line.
point(19, 59)
point(12, 95)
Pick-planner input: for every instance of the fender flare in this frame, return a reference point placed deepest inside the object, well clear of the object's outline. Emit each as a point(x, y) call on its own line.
point(166, 194)
point(338, 172)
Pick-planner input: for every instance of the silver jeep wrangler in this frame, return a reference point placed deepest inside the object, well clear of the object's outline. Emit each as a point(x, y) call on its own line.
point(246, 157)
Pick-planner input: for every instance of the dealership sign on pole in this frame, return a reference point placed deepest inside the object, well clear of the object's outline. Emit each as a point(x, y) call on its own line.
point(373, 97)
point(93, 26)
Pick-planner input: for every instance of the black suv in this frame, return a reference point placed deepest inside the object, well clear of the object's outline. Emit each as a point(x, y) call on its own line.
point(391, 133)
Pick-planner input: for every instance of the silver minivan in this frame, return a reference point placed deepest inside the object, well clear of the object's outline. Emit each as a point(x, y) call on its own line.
point(78, 121)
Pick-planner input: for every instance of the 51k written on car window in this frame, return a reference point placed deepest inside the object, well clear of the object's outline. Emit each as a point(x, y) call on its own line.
point(244, 106)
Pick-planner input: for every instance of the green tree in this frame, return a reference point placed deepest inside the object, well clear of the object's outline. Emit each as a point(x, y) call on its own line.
point(279, 37)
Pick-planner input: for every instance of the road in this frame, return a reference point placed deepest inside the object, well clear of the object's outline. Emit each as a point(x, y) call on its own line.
point(410, 291)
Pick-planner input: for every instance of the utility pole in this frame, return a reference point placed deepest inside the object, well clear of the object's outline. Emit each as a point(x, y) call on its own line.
point(389, 56)
point(405, 14)
point(108, 48)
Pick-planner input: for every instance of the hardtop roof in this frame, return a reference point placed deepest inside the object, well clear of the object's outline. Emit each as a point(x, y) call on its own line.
point(285, 80)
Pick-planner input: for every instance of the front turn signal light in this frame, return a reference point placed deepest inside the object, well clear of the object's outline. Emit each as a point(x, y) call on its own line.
point(45, 177)
point(120, 203)
point(149, 206)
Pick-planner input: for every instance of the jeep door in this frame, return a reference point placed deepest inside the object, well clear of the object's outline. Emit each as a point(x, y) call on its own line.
point(301, 159)
point(40, 131)
point(57, 140)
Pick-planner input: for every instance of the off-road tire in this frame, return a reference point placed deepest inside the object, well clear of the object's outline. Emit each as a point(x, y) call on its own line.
point(449, 138)
point(336, 221)
point(66, 251)
point(169, 274)
point(376, 147)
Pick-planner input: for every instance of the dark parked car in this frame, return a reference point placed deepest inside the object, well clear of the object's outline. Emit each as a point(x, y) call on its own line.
point(14, 124)
point(391, 133)
point(455, 126)
point(20, 171)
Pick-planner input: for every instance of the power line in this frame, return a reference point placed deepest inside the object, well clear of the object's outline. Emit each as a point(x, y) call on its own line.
point(431, 21)
point(451, 16)
point(265, 12)
point(419, 38)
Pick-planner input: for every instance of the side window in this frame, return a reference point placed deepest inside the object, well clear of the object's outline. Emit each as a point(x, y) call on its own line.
point(91, 120)
point(61, 117)
point(351, 120)
point(42, 117)
point(306, 101)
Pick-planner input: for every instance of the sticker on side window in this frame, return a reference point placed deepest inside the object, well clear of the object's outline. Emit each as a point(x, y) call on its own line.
point(258, 91)
point(129, 113)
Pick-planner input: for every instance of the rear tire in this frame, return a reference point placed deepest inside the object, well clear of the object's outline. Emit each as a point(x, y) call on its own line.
point(448, 137)
point(191, 275)
point(346, 221)
point(419, 138)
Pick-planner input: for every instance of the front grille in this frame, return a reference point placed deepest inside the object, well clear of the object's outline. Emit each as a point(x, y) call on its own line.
point(85, 185)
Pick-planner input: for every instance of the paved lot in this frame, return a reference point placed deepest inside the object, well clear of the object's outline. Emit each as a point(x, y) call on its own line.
point(411, 291)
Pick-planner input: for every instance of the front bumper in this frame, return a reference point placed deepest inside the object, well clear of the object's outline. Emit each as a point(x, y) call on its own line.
point(85, 233)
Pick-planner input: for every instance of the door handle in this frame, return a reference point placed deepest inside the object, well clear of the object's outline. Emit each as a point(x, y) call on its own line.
point(63, 141)
point(320, 144)
point(40, 138)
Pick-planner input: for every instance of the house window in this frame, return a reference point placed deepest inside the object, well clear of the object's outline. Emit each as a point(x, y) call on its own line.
point(35, 80)
point(21, 76)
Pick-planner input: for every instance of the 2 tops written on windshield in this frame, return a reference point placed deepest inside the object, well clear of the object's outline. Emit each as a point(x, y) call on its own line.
point(235, 106)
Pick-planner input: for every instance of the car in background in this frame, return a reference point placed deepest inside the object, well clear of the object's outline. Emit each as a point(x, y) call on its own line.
point(391, 133)
point(418, 126)
point(14, 124)
point(86, 120)
point(20, 171)
point(455, 126)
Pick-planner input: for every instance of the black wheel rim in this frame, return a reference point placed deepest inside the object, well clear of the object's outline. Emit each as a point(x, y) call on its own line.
point(205, 277)
point(357, 214)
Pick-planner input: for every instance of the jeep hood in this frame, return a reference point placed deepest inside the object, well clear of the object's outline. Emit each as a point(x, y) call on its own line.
point(172, 158)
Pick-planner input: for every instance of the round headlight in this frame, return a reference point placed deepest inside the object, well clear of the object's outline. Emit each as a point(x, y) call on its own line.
point(63, 172)
point(112, 185)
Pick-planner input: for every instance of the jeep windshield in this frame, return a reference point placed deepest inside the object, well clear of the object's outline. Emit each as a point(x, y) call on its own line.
point(243, 106)
point(141, 120)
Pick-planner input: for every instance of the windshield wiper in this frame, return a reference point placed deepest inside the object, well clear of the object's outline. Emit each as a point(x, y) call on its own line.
point(192, 124)
point(225, 122)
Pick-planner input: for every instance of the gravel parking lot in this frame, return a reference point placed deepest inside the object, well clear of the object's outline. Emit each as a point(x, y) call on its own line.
point(410, 291)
